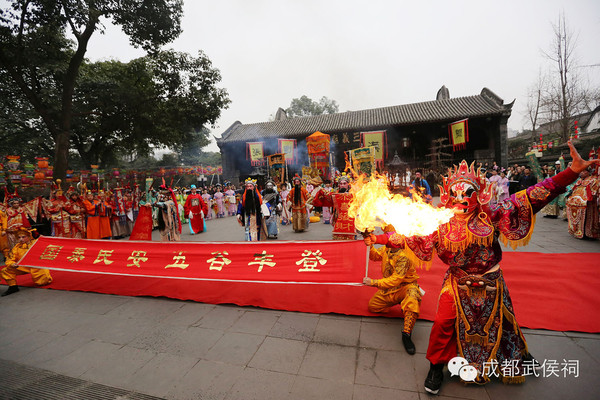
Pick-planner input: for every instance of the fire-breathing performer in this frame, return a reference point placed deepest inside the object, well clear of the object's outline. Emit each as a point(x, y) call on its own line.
point(475, 317)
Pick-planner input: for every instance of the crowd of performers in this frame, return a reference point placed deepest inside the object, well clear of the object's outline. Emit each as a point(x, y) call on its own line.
point(475, 318)
point(98, 214)
point(304, 201)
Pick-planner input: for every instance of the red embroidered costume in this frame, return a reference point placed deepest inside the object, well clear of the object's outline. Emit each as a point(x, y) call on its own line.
point(195, 208)
point(475, 316)
point(339, 200)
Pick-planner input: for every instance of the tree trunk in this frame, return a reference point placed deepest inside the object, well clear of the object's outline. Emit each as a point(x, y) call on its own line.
point(63, 139)
point(61, 156)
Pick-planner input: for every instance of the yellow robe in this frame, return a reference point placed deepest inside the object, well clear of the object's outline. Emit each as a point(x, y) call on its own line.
point(40, 276)
point(399, 283)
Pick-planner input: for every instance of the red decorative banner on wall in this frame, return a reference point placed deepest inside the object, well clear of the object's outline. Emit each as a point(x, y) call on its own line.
point(329, 262)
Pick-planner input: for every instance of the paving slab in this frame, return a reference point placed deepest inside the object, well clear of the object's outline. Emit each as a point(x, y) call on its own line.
point(80, 344)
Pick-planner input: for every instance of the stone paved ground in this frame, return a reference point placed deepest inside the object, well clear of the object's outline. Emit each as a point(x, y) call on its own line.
point(58, 345)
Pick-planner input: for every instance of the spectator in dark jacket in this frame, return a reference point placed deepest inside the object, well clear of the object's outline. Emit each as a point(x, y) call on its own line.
point(527, 179)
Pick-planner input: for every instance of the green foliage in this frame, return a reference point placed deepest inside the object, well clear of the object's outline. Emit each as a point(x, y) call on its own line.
point(304, 107)
point(209, 158)
point(43, 66)
point(162, 100)
point(169, 160)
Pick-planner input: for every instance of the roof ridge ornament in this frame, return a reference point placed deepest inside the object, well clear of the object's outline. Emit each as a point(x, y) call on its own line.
point(443, 93)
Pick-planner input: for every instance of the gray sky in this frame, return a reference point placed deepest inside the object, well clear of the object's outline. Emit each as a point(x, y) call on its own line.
point(372, 53)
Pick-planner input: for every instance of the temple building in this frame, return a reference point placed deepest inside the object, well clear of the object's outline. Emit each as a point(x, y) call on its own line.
point(410, 132)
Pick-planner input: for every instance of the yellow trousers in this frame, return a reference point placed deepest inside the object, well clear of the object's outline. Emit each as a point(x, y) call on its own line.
point(408, 296)
point(40, 276)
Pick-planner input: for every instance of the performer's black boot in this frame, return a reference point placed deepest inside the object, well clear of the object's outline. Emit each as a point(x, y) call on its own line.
point(434, 379)
point(11, 289)
point(409, 323)
point(409, 346)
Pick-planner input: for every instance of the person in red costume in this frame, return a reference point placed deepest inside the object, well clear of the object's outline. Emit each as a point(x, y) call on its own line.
point(76, 210)
point(16, 218)
point(475, 317)
point(339, 200)
point(195, 209)
point(59, 217)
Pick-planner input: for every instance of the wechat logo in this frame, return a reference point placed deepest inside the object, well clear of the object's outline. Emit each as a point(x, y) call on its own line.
point(459, 366)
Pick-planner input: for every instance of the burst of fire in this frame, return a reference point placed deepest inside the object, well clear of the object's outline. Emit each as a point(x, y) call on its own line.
point(374, 206)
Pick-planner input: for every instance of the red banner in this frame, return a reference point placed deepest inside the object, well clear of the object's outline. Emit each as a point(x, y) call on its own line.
point(329, 262)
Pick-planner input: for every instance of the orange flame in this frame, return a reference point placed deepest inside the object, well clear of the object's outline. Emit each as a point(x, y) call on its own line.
point(374, 206)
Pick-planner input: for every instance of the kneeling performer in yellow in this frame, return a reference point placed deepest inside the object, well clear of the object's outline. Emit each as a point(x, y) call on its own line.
point(398, 286)
point(40, 276)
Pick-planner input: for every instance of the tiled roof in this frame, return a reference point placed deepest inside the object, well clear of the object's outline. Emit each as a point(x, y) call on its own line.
point(484, 104)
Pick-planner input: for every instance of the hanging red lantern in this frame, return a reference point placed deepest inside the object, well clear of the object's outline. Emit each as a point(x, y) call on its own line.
point(42, 162)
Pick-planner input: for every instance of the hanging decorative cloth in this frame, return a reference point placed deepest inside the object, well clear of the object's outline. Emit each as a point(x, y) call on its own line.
point(276, 167)
point(459, 134)
point(317, 145)
point(363, 160)
point(377, 140)
point(255, 153)
point(288, 147)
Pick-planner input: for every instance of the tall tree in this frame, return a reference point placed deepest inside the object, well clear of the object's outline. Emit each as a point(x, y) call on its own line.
point(190, 150)
point(535, 102)
point(43, 65)
point(304, 107)
point(162, 100)
point(567, 94)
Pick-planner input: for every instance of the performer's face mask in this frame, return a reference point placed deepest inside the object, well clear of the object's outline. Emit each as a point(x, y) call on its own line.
point(463, 198)
point(343, 185)
point(249, 186)
point(269, 186)
point(23, 238)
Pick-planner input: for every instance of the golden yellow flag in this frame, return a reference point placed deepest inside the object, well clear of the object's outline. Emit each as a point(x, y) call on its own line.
point(459, 134)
